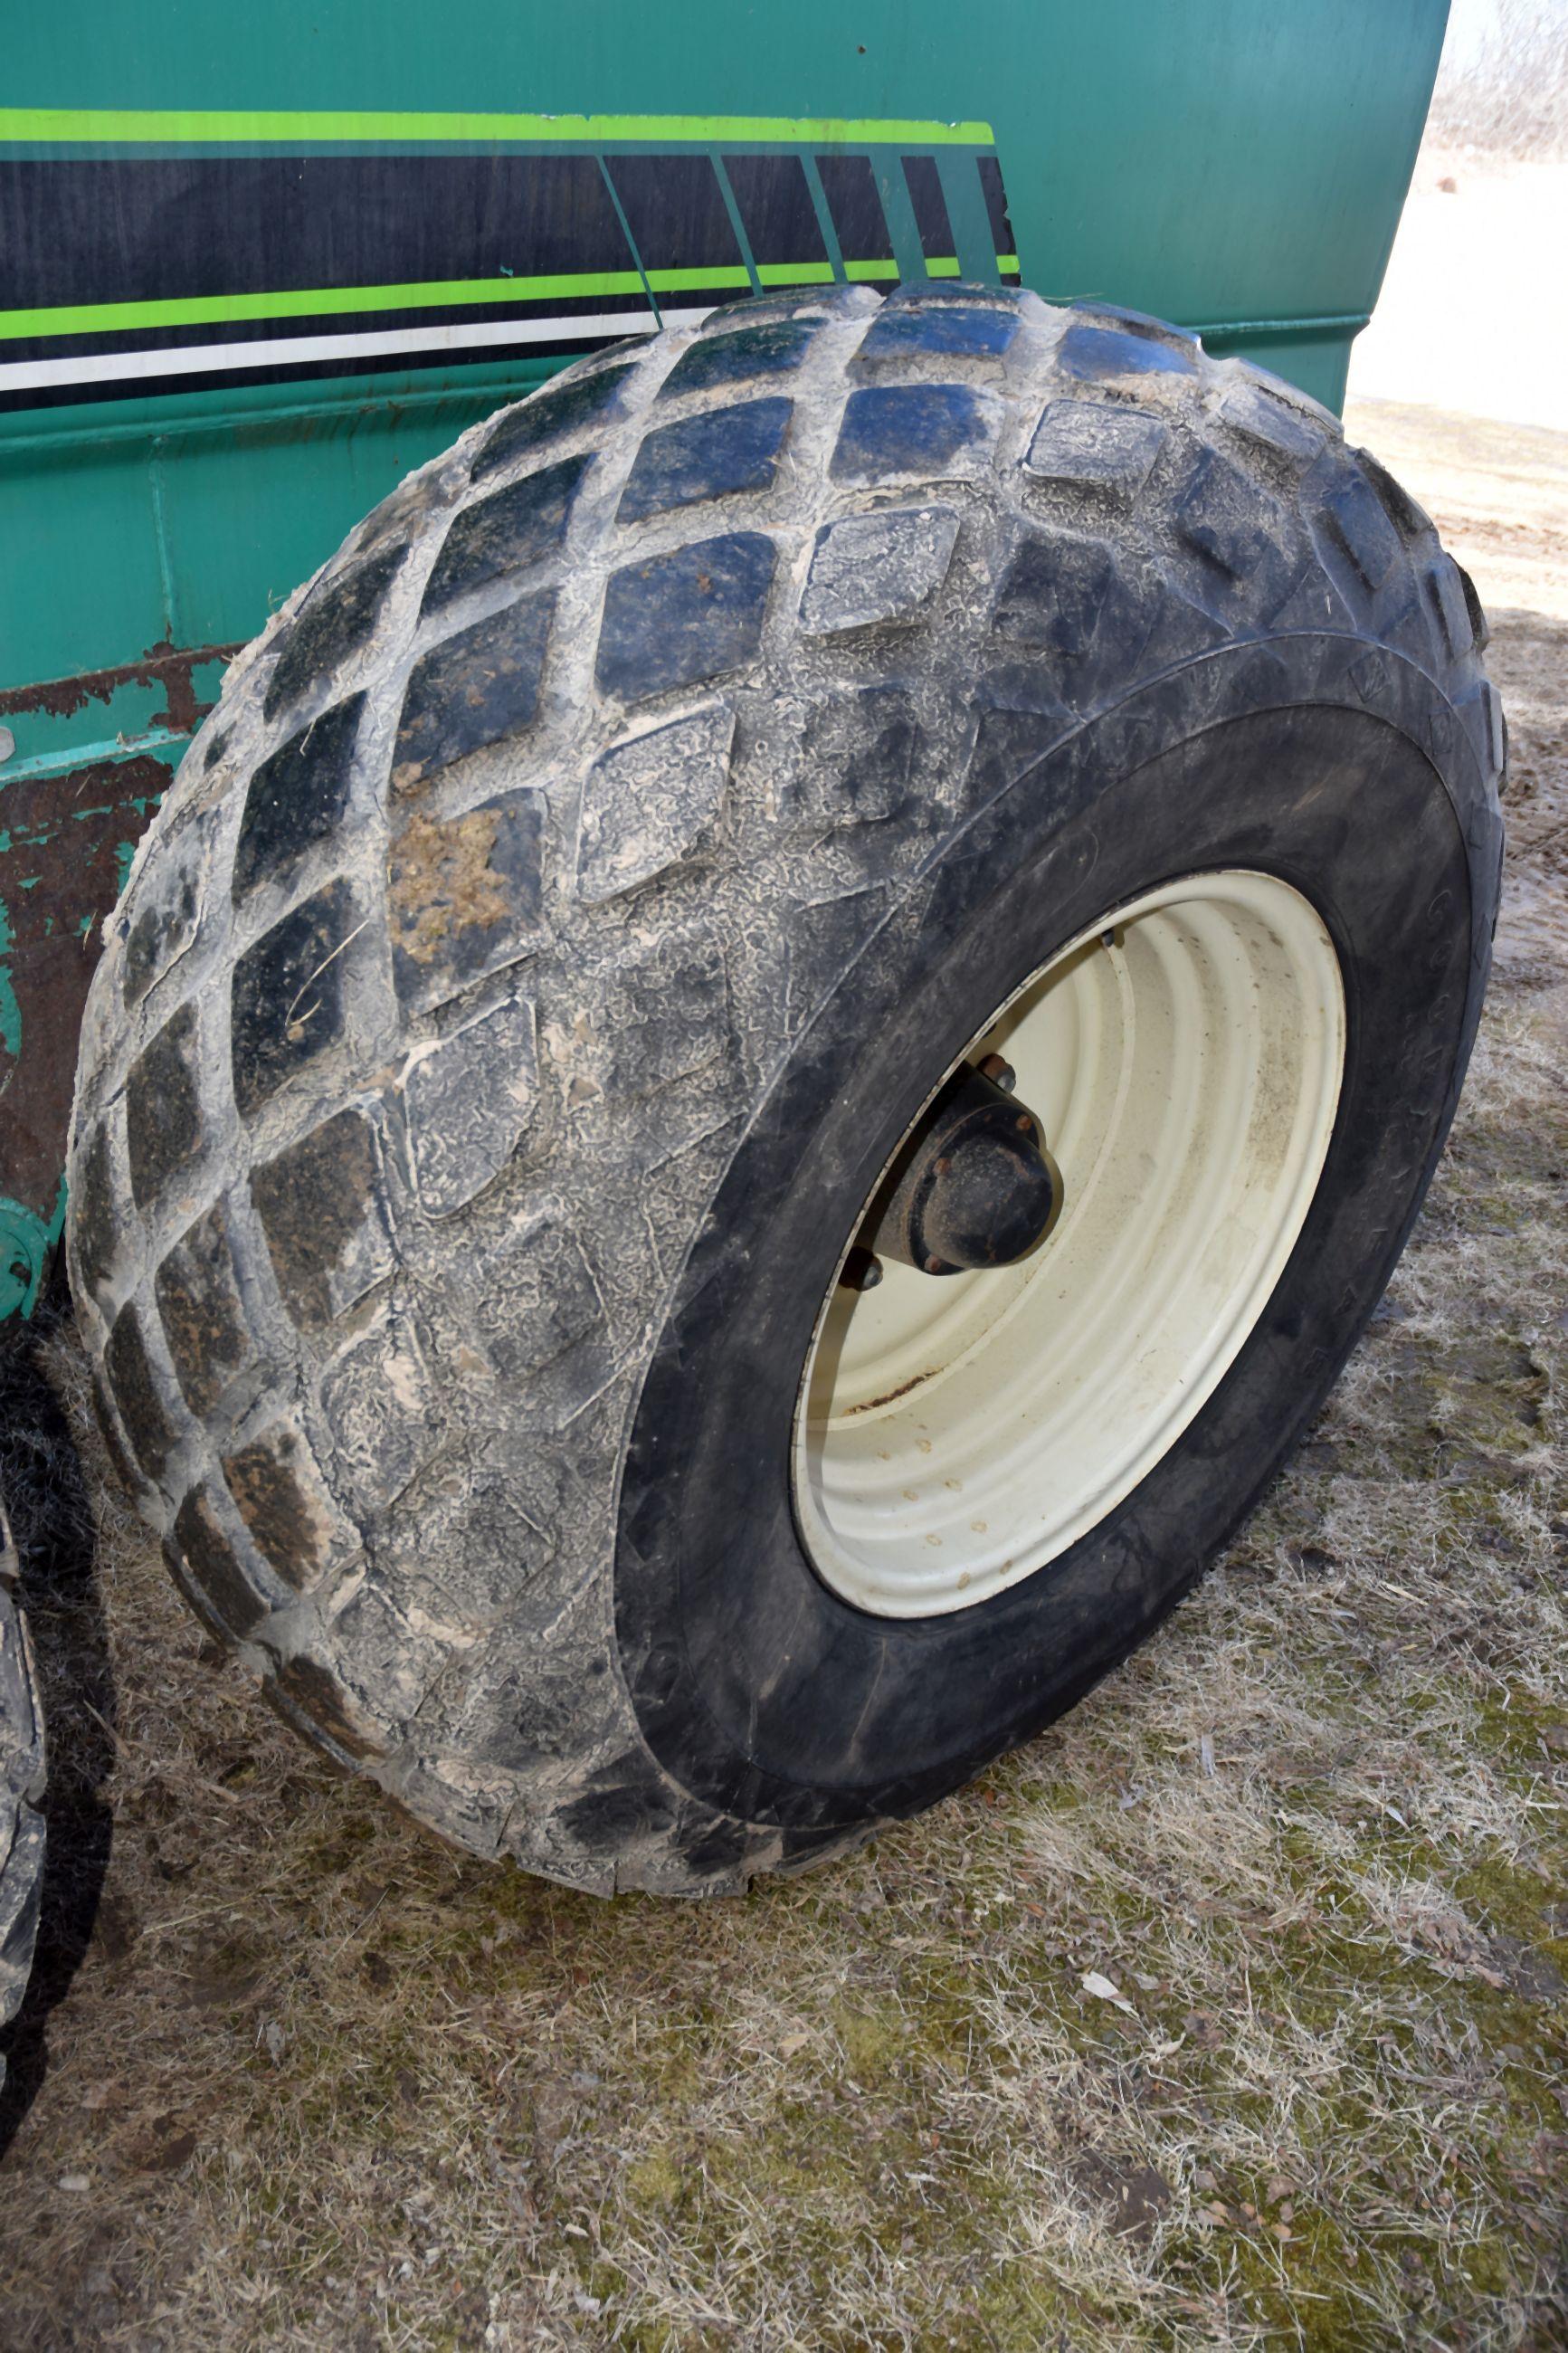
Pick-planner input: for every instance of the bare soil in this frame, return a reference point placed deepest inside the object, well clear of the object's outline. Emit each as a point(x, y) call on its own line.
point(1231, 2012)
point(1472, 315)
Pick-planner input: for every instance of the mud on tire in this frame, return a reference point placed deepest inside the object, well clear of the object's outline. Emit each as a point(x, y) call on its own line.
point(544, 870)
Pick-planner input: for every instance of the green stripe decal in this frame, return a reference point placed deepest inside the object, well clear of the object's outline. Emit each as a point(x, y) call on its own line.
point(314, 303)
point(167, 127)
point(329, 301)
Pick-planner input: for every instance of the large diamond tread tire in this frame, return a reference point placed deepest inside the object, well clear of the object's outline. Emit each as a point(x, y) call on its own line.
point(21, 1782)
point(520, 852)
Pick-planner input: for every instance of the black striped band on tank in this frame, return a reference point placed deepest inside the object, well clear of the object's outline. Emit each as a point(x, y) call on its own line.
point(127, 275)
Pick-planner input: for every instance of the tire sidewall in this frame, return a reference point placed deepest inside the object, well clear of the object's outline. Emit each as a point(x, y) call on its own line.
point(1327, 762)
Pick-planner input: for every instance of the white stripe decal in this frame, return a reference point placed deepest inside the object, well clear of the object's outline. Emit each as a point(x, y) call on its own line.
point(301, 350)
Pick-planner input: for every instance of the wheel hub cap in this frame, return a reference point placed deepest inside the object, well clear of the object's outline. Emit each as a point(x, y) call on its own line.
point(973, 1186)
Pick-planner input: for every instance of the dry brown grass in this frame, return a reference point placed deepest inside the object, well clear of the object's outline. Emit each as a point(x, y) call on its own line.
point(317, 2083)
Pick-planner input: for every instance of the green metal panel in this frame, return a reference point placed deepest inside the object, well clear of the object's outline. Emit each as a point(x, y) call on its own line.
point(1234, 167)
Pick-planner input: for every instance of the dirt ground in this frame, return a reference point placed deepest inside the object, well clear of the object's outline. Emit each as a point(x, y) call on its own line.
point(1232, 2012)
point(1471, 315)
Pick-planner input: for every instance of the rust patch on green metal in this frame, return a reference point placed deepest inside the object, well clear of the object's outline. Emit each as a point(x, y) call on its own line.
point(63, 845)
point(161, 665)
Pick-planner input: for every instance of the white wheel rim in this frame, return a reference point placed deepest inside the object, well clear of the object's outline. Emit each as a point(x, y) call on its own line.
point(953, 1434)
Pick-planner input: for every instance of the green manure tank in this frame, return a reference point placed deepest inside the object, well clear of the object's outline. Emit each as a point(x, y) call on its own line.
point(257, 263)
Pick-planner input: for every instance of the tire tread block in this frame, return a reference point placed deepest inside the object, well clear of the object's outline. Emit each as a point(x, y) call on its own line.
point(307, 1689)
point(537, 1300)
point(477, 688)
point(651, 805)
point(1070, 598)
point(278, 1493)
point(815, 307)
point(568, 408)
point(1443, 592)
point(379, 1401)
point(682, 618)
point(201, 1311)
point(469, 1101)
point(138, 1395)
point(1362, 546)
point(928, 330)
point(919, 431)
point(1255, 415)
point(296, 796)
point(465, 897)
point(161, 927)
point(383, 1666)
point(1480, 630)
point(722, 453)
point(211, 1561)
point(96, 1231)
point(321, 1204)
point(1080, 445)
point(163, 1124)
point(334, 622)
point(856, 762)
point(288, 1004)
point(1409, 519)
point(476, 1552)
point(509, 531)
point(1240, 536)
point(115, 1445)
point(773, 348)
point(1100, 353)
point(666, 1015)
point(877, 567)
point(1008, 743)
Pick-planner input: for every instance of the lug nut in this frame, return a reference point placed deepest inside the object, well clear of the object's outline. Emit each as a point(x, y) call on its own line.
point(862, 1269)
point(1000, 1072)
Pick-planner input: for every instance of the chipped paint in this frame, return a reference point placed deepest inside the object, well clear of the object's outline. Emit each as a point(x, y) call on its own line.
point(27, 1245)
point(163, 665)
point(65, 849)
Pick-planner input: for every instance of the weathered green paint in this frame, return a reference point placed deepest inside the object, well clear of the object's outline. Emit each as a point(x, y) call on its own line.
point(26, 1244)
point(1234, 167)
